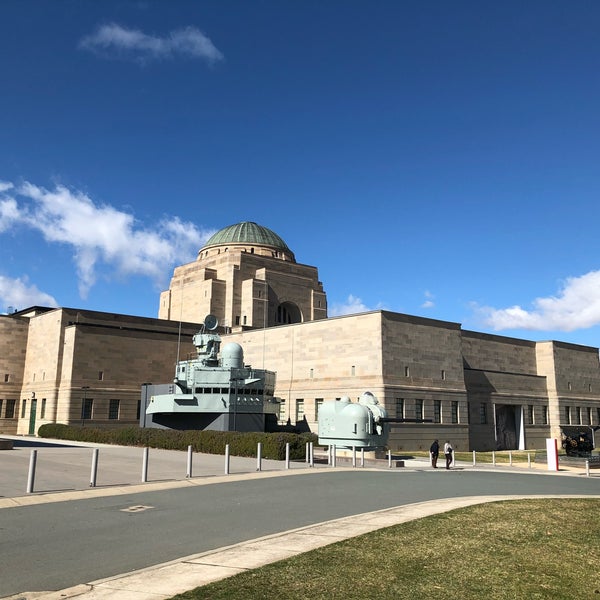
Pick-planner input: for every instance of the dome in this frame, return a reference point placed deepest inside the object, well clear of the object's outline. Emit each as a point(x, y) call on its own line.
point(247, 233)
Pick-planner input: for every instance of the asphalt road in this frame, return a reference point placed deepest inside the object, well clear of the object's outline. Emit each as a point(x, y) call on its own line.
point(56, 545)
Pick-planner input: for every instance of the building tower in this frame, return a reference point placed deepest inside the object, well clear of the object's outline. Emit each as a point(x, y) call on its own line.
point(247, 277)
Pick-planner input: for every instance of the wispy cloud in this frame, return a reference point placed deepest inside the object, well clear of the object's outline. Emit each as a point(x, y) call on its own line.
point(352, 306)
point(113, 40)
point(429, 303)
point(575, 306)
point(19, 293)
point(100, 234)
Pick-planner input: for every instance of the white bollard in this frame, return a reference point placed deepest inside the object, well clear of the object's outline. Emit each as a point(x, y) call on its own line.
point(31, 474)
point(226, 459)
point(474, 458)
point(510, 459)
point(307, 458)
point(287, 455)
point(188, 472)
point(259, 456)
point(362, 457)
point(94, 471)
point(312, 455)
point(353, 456)
point(587, 468)
point(333, 455)
point(529, 459)
point(145, 465)
point(494, 457)
point(389, 459)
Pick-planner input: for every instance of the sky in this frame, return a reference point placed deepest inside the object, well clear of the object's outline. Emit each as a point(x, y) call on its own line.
point(439, 159)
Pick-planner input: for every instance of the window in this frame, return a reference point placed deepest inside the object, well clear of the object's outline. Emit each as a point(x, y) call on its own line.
point(578, 415)
point(567, 415)
point(10, 409)
point(86, 408)
point(245, 320)
point(1, 401)
point(43, 411)
point(437, 411)
point(237, 320)
point(443, 374)
point(23, 407)
point(569, 386)
point(400, 408)
point(113, 409)
point(6, 377)
point(138, 410)
point(299, 409)
point(544, 415)
point(419, 409)
point(406, 372)
point(318, 403)
point(100, 375)
point(312, 373)
point(353, 371)
point(597, 415)
point(530, 414)
point(454, 408)
point(483, 413)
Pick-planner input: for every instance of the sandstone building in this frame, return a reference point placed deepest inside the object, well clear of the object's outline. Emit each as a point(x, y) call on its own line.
point(481, 391)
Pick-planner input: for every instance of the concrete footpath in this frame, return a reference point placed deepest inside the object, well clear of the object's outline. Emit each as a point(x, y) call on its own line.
point(165, 580)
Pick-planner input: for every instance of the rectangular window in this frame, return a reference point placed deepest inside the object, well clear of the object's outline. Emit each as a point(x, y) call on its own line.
point(6, 378)
point(437, 411)
point(86, 408)
point(419, 409)
point(10, 409)
point(597, 415)
point(406, 372)
point(1, 401)
point(299, 409)
point(567, 415)
point(400, 408)
point(318, 403)
point(113, 409)
point(23, 407)
point(578, 415)
point(100, 375)
point(455, 411)
point(443, 374)
point(530, 414)
point(544, 415)
point(483, 413)
point(138, 411)
point(237, 320)
point(589, 415)
point(43, 411)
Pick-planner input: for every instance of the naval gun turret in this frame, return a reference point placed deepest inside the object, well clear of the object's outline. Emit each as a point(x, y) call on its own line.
point(361, 424)
point(215, 390)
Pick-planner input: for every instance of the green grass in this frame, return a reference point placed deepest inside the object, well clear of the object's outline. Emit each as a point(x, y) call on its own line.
point(501, 551)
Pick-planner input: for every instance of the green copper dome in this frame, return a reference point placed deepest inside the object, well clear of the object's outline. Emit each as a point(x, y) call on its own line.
point(247, 233)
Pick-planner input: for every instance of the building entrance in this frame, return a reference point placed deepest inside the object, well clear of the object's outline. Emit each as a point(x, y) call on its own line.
point(508, 426)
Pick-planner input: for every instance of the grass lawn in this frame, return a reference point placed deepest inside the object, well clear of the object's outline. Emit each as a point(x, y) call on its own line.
point(505, 550)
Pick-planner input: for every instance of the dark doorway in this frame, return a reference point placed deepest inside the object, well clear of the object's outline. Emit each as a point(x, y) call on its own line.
point(506, 427)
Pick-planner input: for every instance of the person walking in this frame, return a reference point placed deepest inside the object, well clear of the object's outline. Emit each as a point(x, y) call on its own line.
point(434, 452)
point(448, 452)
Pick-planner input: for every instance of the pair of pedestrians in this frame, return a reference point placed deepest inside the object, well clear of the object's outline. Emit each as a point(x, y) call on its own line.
point(434, 451)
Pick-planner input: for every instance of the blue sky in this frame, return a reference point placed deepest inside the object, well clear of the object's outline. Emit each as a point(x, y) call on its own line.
point(433, 158)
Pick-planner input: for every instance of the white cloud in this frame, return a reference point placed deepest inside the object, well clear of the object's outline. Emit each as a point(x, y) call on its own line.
point(429, 303)
point(102, 235)
point(113, 39)
point(352, 306)
point(19, 293)
point(576, 306)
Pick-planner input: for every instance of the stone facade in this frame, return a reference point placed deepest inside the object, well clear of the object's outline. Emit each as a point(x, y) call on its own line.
point(480, 391)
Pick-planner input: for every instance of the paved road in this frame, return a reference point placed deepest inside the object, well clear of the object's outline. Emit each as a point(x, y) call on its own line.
point(52, 546)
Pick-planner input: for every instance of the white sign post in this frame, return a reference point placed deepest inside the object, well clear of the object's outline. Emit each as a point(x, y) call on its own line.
point(552, 454)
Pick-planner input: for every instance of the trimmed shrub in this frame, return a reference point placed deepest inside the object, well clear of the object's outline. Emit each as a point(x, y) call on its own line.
point(207, 442)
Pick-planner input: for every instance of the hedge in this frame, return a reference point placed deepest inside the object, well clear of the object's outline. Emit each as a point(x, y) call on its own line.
point(208, 442)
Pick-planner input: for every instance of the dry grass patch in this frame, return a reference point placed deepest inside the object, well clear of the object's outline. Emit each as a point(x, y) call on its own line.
point(499, 551)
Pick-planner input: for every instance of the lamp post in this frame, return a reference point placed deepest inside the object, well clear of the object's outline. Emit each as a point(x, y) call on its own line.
point(85, 388)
